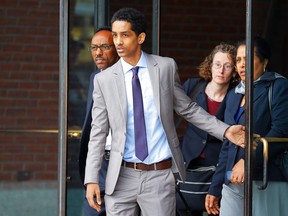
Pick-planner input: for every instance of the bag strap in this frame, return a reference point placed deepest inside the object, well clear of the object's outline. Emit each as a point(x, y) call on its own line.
point(270, 92)
point(199, 85)
point(189, 211)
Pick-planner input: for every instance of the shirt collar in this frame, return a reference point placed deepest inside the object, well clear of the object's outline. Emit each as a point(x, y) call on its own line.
point(266, 76)
point(240, 88)
point(142, 63)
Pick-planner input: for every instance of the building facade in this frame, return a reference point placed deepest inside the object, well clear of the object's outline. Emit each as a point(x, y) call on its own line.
point(30, 79)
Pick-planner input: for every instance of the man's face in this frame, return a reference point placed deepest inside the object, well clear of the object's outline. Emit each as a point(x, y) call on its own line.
point(128, 44)
point(103, 50)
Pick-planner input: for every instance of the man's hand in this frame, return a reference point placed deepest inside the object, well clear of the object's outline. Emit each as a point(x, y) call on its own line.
point(92, 190)
point(212, 204)
point(236, 134)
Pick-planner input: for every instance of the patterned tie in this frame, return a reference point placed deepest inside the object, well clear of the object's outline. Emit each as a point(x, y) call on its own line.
point(141, 149)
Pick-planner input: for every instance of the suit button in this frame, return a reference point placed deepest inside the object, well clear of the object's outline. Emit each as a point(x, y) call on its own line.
point(204, 141)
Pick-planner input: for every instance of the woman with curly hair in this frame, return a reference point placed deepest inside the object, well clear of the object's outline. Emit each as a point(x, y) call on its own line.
point(217, 75)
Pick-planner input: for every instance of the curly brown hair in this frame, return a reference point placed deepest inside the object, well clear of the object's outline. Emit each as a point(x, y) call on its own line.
point(205, 67)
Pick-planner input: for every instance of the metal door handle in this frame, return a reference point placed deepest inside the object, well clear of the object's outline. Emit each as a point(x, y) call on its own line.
point(265, 142)
point(265, 163)
point(71, 133)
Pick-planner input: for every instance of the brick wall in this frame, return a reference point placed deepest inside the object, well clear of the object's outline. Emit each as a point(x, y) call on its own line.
point(190, 29)
point(29, 66)
point(29, 88)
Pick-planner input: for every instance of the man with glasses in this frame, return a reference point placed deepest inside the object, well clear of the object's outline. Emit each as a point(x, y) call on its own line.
point(104, 55)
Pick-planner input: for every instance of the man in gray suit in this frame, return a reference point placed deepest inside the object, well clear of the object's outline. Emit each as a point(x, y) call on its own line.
point(134, 182)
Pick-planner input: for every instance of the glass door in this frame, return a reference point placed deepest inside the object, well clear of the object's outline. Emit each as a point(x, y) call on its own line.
point(28, 161)
point(80, 66)
point(29, 110)
point(29, 99)
point(265, 193)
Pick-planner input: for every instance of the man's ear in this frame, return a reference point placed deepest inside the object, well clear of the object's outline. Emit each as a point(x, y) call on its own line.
point(141, 38)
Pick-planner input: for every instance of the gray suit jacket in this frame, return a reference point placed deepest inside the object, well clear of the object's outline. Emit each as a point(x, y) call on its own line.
point(110, 110)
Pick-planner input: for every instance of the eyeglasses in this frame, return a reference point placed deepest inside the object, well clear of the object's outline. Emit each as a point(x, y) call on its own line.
point(103, 47)
point(227, 67)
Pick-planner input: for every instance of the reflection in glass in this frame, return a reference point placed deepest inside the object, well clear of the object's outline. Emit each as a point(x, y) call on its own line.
point(81, 16)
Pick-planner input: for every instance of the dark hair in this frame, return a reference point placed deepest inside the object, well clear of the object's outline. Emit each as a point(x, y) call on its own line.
point(205, 67)
point(261, 48)
point(133, 16)
point(103, 28)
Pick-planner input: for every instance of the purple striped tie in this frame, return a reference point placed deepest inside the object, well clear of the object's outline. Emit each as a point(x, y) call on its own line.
point(141, 149)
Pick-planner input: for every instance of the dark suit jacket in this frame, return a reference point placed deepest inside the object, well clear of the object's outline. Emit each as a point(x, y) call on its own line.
point(195, 140)
point(266, 124)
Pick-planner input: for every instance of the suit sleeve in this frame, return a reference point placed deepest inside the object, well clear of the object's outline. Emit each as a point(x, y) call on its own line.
point(195, 114)
point(99, 132)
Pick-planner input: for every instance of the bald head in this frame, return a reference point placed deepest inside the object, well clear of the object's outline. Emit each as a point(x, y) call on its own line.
point(103, 50)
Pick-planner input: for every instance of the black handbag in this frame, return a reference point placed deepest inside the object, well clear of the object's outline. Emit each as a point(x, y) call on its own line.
point(191, 194)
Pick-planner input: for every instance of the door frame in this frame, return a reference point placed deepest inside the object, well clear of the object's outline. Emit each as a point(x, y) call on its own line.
point(101, 18)
point(63, 95)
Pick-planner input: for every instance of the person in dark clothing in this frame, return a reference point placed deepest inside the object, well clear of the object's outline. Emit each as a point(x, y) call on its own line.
point(217, 75)
point(228, 180)
point(104, 55)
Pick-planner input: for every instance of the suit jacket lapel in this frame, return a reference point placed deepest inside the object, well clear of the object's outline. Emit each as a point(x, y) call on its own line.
point(201, 99)
point(232, 107)
point(155, 79)
point(237, 100)
point(119, 82)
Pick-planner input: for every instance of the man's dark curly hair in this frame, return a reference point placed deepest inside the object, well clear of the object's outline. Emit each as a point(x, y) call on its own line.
point(133, 16)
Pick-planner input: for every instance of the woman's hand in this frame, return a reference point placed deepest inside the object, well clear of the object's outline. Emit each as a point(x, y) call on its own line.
point(237, 176)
